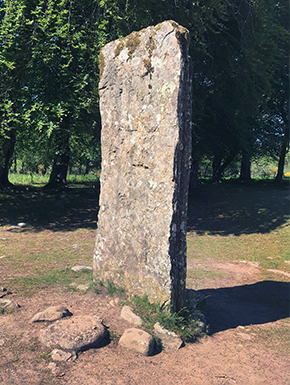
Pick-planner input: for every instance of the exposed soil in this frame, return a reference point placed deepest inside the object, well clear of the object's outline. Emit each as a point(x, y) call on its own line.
point(233, 353)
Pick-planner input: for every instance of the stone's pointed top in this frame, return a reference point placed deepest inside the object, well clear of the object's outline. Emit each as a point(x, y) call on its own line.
point(141, 44)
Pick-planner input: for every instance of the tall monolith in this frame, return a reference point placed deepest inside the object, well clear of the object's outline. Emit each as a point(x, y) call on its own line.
point(145, 103)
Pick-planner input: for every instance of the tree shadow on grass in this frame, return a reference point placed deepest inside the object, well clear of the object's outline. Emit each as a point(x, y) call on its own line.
point(57, 210)
point(233, 208)
point(258, 303)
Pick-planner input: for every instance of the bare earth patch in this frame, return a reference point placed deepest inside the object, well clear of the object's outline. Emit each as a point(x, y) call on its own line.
point(235, 355)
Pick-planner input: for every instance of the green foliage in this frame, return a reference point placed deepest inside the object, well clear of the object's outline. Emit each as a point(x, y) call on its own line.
point(49, 64)
point(43, 356)
point(113, 290)
point(33, 346)
point(182, 323)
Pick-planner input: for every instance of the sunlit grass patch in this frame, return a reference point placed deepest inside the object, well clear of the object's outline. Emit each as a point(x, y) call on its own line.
point(47, 249)
point(43, 279)
point(270, 250)
point(200, 273)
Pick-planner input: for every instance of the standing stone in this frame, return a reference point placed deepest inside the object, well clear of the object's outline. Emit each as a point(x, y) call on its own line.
point(145, 102)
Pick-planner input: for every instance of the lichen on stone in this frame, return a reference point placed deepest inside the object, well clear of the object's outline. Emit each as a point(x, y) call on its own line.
point(132, 43)
point(119, 48)
point(148, 65)
point(150, 45)
point(101, 63)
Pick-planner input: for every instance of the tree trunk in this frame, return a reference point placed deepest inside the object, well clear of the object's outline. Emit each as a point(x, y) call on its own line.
point(193, 178)
point(59, 170)
point(245, 174)
point(282, 156)
point(216, 164)
point(219, 168)
point(7, 144)
point(285, 142)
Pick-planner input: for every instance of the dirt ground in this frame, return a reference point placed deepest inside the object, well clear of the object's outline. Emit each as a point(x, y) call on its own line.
point(238, 350)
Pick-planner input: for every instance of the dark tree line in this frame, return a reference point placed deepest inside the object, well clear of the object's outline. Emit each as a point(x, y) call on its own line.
point(49, 60)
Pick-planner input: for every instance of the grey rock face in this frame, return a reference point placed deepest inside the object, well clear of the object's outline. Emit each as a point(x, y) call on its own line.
point(9, 304)
point(60, 355)
point(81, 268)
point(74, 334)
point(52, 313)
point(4, 292)
point(131, 317)
point(169, 340)
point(145, 104)
point(137, 340)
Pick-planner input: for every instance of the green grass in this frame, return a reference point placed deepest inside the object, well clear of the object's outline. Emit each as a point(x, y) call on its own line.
point(74, 207)
point(227, 222)
point(43, 278)
point(113, 290)
point(38, 180)
point(235, 222)
point(201, 273)
point(182, 323)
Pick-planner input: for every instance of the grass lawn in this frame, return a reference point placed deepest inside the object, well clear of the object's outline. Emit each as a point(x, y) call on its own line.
point(227, 222)
point(231, 222)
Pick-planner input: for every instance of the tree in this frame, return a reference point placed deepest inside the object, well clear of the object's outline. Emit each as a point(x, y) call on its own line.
point(58, 85)
point(63, 74)
point(232, 81)
point(12, 67)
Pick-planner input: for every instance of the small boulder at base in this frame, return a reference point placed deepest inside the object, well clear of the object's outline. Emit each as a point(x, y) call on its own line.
point(137, 340)
point(75, 334)
point(60, 355)
point(79, 268)
point(7, 304)
point(128, 315)
point(52, 313)
point(169, 340)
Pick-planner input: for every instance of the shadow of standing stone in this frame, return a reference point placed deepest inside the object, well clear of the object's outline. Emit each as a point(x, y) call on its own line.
point(145, 103)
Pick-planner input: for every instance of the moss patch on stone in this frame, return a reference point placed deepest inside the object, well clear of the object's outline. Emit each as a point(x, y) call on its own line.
point(101, 63)
point(119, 48)
point(148, 65)
point(132, 43)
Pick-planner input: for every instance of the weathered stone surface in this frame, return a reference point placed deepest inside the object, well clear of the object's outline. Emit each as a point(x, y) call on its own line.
point(83, 287)
point(145, 108)
point(60, 355)
point(137, 340)
point(74, 334)
point(7, 304)
point(4, 292)
point(169, 340)
point(128, 315)
point(81, 268)
point(52, 313)
point(52, 366)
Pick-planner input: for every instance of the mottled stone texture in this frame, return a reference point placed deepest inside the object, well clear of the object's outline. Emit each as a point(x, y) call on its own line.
point(145, 104)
